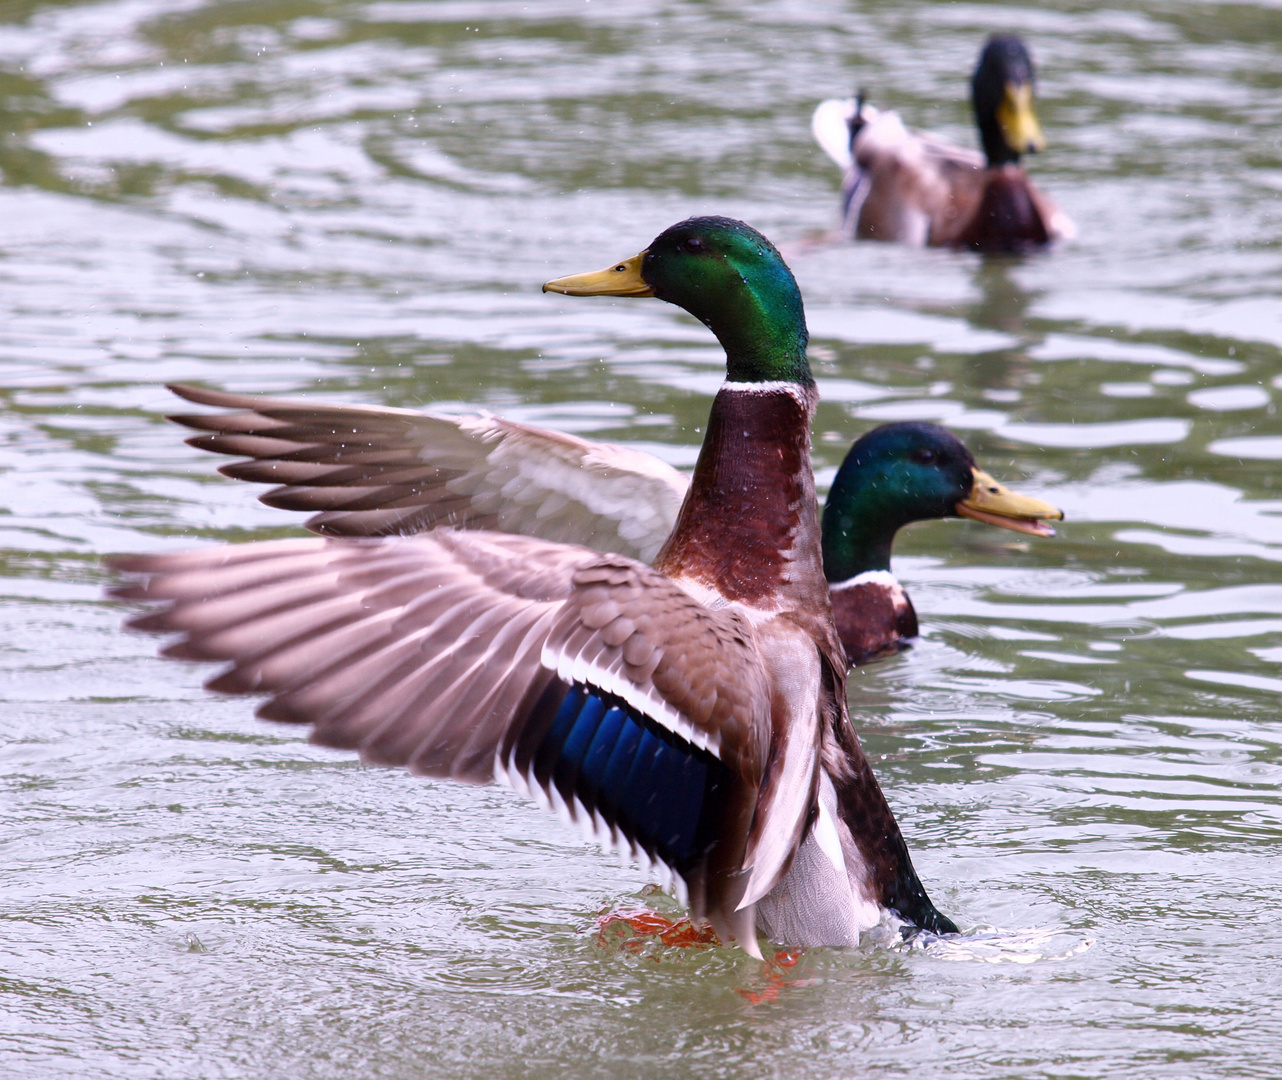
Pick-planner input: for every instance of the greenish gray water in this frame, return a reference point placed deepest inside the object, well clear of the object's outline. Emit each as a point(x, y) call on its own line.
point(359, 200)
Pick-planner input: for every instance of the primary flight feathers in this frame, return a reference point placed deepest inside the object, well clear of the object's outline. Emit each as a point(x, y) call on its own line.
point(382, 472)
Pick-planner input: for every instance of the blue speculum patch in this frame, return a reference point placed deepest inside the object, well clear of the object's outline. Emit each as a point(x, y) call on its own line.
point(658, 790)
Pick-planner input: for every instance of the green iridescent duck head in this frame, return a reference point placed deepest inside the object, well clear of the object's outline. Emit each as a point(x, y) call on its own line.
point(730, 278)
point(900, 473)
point(1002, 94)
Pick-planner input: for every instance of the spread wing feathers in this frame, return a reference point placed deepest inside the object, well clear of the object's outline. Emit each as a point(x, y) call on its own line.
point(590, 681)
point(899, 183)
point(883, 135)
point(832, 128)
point(830, 125)
point(916, 183)
point(377, 472)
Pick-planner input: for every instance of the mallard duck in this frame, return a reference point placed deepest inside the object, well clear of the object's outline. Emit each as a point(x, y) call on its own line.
point(892, 476)
point(919, 189)
point(370, 471)
point(692, 712)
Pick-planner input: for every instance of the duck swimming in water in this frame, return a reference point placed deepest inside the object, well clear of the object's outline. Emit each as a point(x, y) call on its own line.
point(691, 713)
point(892, 476)
point(370, 471)
point(915, 188)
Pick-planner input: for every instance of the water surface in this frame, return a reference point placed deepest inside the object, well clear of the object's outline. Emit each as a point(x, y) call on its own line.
point(358, 201)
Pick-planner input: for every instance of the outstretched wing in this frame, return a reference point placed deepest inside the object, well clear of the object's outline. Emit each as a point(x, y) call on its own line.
point(376, 472)
point(590, 681)
point(833, 126)
point(899, 184)
point(830, 125)
point(947, 156)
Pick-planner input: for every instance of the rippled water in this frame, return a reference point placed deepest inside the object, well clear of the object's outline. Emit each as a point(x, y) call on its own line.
point(360, 200)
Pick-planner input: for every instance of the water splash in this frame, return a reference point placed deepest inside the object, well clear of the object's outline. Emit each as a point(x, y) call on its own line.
point(988, 945)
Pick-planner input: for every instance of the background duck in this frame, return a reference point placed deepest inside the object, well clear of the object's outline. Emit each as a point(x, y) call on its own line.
point(692, 712)
point(892, 476)
point(369, 471)
point(918, 189)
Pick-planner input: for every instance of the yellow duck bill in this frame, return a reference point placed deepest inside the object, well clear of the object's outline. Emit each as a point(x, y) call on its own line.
point(621, 279)
point(1018, 121)
point(994, 504)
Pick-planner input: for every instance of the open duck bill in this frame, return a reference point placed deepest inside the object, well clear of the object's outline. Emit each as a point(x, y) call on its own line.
point(1018, 121)
point(994, 504)
point(621, 279)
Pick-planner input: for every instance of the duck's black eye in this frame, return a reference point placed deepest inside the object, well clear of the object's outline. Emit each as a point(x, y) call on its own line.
point(693, 243)
point(925, 457)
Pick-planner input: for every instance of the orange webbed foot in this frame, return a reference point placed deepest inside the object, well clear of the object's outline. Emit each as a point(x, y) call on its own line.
point(773, 982)
point(636, 928)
